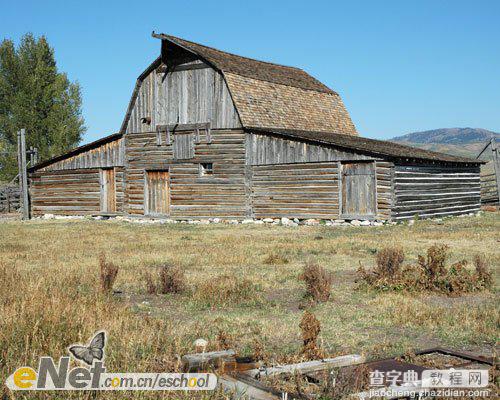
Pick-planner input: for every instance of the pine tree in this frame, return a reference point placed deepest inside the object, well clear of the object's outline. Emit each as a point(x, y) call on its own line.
point(35, 96)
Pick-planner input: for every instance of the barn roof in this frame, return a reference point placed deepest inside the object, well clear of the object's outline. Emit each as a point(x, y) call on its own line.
point(77, 150)
point(267, 94)
point(371, 146)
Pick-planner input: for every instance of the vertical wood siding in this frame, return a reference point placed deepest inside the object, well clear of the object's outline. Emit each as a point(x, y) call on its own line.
point(71, 192)
point(435, 191)
point(107, 155)
point(185, 96)
point(265, 150)
point(219, 195)
point(304, 190)
point(358, 190)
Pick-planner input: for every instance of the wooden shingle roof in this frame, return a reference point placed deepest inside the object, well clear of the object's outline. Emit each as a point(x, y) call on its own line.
point(267, 94)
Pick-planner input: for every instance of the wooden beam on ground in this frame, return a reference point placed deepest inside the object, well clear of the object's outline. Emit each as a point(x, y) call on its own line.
point(309, 366)
point(393, 392)
point(242, 390)
point(195, 361)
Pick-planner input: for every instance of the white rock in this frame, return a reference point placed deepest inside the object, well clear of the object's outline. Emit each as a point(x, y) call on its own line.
point(285, 221)
point(296, 220)
point(268, 220)
point(247, 221)
point(200, 345)
point(232, 222)
point(311, 222)
point(329, 223)
point(48, 216)
point(204, 222)
point(355, 222)
point(216, 220)
point(365, 223)
point(339, 221)
point(378, 223)
point(258, 222)
point(411, 222)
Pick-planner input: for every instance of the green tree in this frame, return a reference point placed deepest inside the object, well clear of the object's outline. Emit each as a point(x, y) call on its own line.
point(35, 96)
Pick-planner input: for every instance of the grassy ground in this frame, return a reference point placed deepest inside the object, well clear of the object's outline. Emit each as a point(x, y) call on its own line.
point(49, 291)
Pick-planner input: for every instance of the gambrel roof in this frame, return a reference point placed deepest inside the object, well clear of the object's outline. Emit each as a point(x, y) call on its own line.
point(267, 94)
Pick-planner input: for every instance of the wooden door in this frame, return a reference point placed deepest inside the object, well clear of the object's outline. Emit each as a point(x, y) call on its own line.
point(157, 193)
point(358, 190)
point(108, 190)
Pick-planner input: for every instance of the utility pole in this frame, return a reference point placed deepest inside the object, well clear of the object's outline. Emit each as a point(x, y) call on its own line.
point(23, 173)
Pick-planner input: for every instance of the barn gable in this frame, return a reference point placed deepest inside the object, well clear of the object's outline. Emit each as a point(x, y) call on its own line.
point(191, 83)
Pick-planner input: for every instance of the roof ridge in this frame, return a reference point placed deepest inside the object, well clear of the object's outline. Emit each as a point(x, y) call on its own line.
point(233, 54)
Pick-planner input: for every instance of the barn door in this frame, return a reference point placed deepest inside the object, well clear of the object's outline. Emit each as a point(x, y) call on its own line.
point(358, 190)
point(157, 193)
point(108, 190)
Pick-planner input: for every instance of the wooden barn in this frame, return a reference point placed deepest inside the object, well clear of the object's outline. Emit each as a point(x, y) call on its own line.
point(212, 134)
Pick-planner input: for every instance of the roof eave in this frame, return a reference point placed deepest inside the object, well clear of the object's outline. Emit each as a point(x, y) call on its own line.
point(392, 157)
point(76, 151)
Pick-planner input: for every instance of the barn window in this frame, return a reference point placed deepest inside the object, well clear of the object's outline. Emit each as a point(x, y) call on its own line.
point(183, 146)
point(206, 169)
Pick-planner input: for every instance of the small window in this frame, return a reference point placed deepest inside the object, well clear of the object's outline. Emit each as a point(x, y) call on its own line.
point(206, 169)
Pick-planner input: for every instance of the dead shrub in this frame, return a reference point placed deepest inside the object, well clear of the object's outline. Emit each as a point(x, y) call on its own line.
point(167, 279)
point(109, 271)
point(151, 286)
point(344, 382)
point(225, 290)
point(310, 328)
point(276, 259)
point(434, 264)
point(225, 341)
point(259, 352)
point(430, 273)
point(389, 261)
point(172, 279)
point(318, 282)
point(483, 274)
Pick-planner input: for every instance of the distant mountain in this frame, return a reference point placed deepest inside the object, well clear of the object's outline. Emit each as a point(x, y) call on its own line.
point(449, 136)
point(466, 142)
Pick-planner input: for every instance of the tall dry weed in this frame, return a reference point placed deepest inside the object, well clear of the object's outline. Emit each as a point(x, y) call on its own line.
point(318, 282)
point(108, 274)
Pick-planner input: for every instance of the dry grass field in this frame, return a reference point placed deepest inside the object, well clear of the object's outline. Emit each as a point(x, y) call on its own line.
point(242, 290)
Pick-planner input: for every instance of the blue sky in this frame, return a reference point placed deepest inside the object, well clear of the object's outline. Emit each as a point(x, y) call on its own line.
point(400, 66)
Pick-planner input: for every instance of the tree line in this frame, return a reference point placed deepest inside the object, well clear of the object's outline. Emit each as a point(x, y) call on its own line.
point(36, 96)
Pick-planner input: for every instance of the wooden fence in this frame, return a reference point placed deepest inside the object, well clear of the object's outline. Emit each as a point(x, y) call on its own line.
point(489, 189)
point(10, 199)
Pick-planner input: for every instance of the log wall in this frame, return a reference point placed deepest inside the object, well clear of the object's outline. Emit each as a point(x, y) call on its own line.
point(192, 196)
point(435, 191)
point(70, 192)
point(385, 187)
point(304, 190)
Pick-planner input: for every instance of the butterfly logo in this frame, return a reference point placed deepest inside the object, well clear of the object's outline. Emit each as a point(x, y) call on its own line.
point(94, 351)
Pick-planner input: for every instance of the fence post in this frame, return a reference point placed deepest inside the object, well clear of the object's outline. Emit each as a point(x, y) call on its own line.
point(496, 165)
point(7, 198)
point(23, 174)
